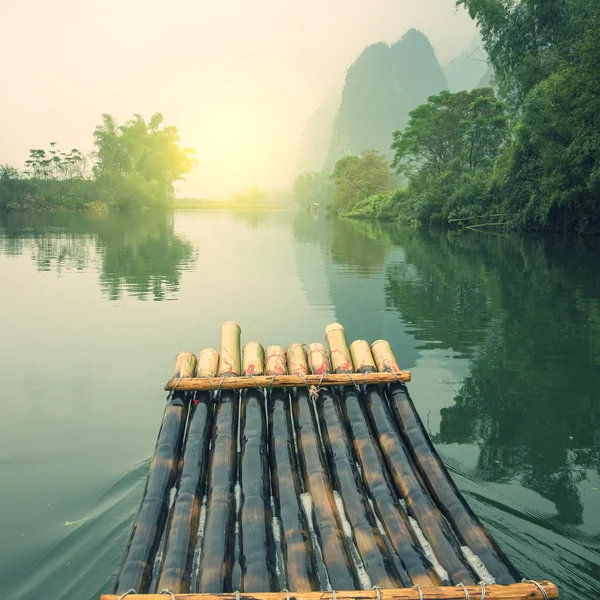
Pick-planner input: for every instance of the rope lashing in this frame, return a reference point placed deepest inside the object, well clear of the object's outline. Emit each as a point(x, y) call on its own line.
point(287, 593)
point(172, 392)
point(219, 386)
point(334, 594)
point(130, 591)
point(356, 386)
point(465, 590)
point(418, 587)
point(257, 385)
point(538, 585)
point(271, 384)
point(237, 594)
point(377, 591)
point(482, 584)
point(168, 591)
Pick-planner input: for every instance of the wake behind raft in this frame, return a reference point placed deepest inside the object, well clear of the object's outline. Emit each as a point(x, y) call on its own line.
point(305, 473)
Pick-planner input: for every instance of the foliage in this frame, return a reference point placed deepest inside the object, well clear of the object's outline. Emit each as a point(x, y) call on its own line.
point(359, 177)
point(447, 152)
point(313, 187)
point(50, 179)
point(546, 54)
point(135, 167)
point(138, 162)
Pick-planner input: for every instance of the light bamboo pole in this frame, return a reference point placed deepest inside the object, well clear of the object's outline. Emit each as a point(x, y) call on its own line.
point(334, 549)
point(299, 565)
point(217, 552)
point(409, 487)
point(138, 563)
point(385, 501)
point(516, 591)
point(445, 493)
point(257, 547)
point(182, 531)
point(382, 566)
point(228, 382)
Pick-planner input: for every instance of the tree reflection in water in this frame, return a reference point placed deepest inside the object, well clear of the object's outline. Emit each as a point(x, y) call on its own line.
point(526, 311)
point(135, 254)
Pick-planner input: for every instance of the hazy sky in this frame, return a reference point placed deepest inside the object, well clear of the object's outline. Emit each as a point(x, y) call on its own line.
point(239, 78)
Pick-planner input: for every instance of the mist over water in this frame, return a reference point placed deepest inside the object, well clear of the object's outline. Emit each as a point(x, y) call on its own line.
point(501, 334)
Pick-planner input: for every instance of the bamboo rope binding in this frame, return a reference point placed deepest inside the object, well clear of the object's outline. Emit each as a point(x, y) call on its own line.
point(515, 591)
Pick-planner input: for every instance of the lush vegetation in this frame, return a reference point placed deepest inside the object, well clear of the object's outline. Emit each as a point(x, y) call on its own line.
point(313, 187)
point(133, 166)
point(524, 154)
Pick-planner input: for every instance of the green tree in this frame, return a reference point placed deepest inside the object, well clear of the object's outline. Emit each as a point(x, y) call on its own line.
point(447, 151)
point(138, 162)
point(359, 177)
point(313, 187)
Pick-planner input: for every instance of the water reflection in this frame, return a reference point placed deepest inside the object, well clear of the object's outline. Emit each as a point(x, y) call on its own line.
point(525, 311)
point(135, 254)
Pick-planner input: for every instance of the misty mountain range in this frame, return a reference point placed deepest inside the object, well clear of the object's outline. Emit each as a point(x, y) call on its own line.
point(382, 86)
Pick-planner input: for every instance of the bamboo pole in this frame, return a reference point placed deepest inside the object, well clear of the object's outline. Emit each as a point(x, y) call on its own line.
point(208, 363)
point(299, 564)
point(334, 550)
point(420, 506)
point(516, 591)
point(182, 530)
point(318, 360)
point(341, 361)
point(385, 502)
point(217, 552)
point(229, 382)
point(257, 547)
point(382, 567)
point(445, 493)
point(229, 354)
point(253, 359)
point(136, 571)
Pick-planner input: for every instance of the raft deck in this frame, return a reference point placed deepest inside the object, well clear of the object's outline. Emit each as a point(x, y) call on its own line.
point(306, 474)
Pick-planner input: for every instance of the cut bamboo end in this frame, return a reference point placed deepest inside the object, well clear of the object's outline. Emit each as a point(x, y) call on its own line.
point(275, 361)
point(268, 381)
point(362, 357)
point(341, 359)
point(208, 363)
point(253, 359)
point(384, 357)
point(514, 591)
point(185, 365)
point(229, 358)
point(296, 360)
point(318, 359)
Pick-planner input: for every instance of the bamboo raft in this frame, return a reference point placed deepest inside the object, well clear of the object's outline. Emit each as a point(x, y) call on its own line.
point(304, 473)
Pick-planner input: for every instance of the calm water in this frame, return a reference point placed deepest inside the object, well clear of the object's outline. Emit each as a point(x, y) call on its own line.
point(502, 334)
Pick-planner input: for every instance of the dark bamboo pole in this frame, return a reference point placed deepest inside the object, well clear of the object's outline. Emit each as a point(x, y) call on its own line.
point(420, 505)
point(335, 551)
point(382, 567)
point(442, 488)
point(257, 547)
point(385, 501)
point(182, 530)
point(298, 553)
point(216, 556)
point(136, 571)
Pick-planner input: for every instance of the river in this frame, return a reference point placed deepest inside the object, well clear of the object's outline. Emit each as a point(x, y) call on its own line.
point(501, 332)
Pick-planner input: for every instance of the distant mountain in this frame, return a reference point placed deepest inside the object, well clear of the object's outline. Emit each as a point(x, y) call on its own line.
point(382, 86)
point(316, 138)
point(470, 69)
